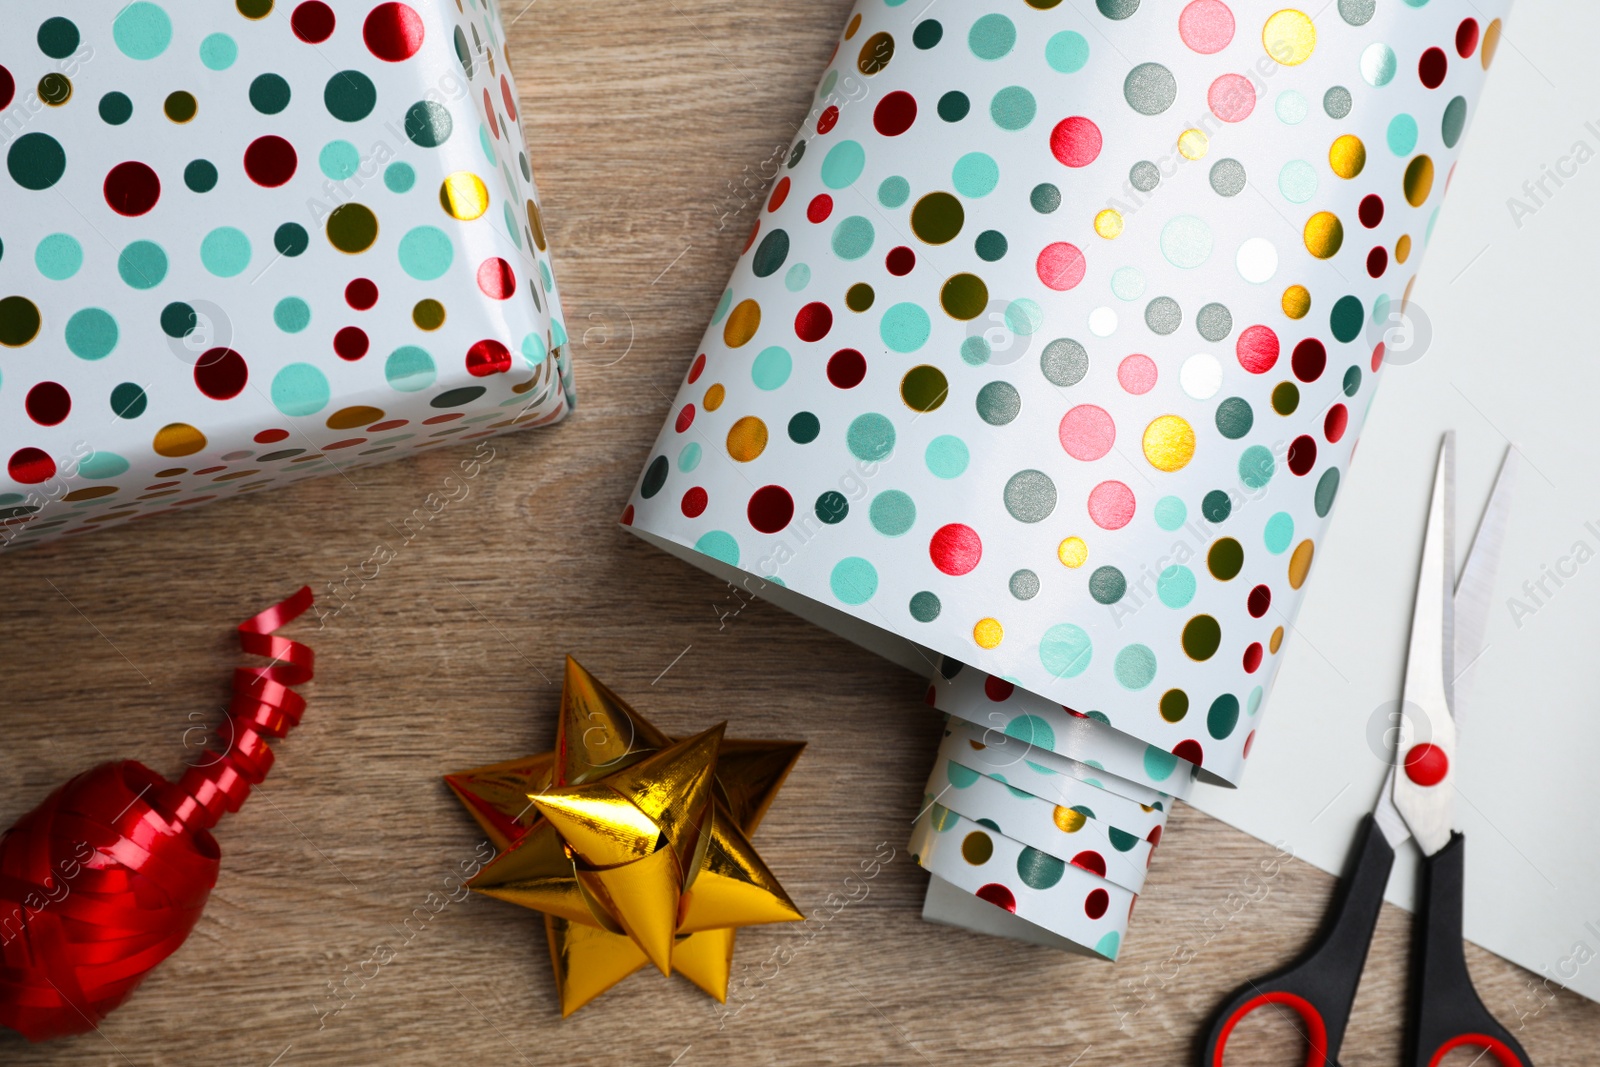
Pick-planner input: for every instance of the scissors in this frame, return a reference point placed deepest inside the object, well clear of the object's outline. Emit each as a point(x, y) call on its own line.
point(1448, 623)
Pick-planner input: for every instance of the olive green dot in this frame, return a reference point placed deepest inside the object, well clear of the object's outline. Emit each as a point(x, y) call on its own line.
point(964, 296)
point(1225, 559)
point(1285, 398)
point(1201, 637)
point(180, 106)
point(924, 388)
point(937, 218)
point(1174, 705)
point(859, 297)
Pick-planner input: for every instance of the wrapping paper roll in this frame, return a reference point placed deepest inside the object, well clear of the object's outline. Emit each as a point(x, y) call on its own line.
point(1047, 354)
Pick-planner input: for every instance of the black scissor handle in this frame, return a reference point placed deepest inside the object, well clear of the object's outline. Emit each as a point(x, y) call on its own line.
point(1446, 1012)
point(1320, 985)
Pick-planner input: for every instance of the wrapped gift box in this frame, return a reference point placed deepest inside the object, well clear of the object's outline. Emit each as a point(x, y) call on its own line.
point(244, 244)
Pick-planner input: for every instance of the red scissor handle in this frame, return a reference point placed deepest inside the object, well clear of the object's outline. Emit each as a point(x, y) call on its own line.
point(1316, 1031)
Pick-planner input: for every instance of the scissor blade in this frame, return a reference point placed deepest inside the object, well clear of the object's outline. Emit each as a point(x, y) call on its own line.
point(1423, 798)
point(1475, 588)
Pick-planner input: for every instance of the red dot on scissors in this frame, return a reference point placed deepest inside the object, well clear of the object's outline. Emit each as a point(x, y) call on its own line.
point(1427, 764)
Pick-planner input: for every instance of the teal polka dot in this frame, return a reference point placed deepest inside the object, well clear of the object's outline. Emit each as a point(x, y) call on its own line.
point(1186, 241)
point(1013, 108)
point(399, 177)
point(533, 349)
point(1135, 667)
point(1176, 586)
point(1127, 283)
point(852, 238)
point(300, 389)
point(1279, 532)
point(1297, 181)
point(98, 466)
point(771, 368)
point(58, 257)
point(339, 160)
point(409, 369)
point(1291, 107)
point(960, 777)
point(689, 458)
point(947, 456)
point(1253, 705)
point(843, 164)
point(142, 30)
point(1066, 52)
point(975, 174)
point(91, 334)
point(1024, 316)
point(225, 252)
point(1223, 716)
point(143, 264)
point(1256, 467)
point(854, 580)
point(992, 36)
point(425, 253)
point(1065, 650)
point(719, 544)
point(1109, 945)
point(892, 513)
point(1402, 134)
point(870, 437)
point(905, 327)
point(798, 278)
point(975, 351)
point(1032, 730)
point(218, 51)
point(1159, 764)
point(1170, 513)
point(894, 191)
point(292, 314)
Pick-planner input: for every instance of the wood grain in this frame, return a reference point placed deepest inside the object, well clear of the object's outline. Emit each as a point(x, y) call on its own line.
point(645, 120)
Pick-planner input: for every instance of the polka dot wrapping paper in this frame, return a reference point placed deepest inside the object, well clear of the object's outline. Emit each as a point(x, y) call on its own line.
point(1043, 363)
point(247, 243)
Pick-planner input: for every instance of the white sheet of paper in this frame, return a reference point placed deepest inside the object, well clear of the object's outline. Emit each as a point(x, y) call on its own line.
point(1511, 300)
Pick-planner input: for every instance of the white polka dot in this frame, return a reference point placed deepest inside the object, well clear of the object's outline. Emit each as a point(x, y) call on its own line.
point(1102, 322)
point(1201, 376)
point(1258, 260)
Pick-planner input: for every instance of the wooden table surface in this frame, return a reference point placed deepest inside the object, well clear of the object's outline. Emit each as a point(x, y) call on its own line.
point(645, 120)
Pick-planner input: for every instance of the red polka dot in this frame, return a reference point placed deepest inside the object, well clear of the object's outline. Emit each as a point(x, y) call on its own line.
point(1087, 432)
point(1467, 38)
point(1371, 210)
point(998, 895)
point(1432, 67)
point(496, 278)
point(312, 22)
point(997, 689)
point(685, 418)
point(30, 466)
point(393, 32)
point(488, 113)
point(770, 509)
point(508, 98)
point(694, 502)
point(1060, 266)
point(1206, 26)
point(1252, 657)
point(132, 189)
point(780, 193)
point(1096, 903)
point(900, 261)
point(1190, 751)
point(1377, 357)
point(270, 161)
point(1091, 861)
point(8, 87)
point(270, 437)
point(846, 368)
point(1302, 455)
point(697, 368)
point(819, 208)
point(828, 119)
point(488, 357)
point(895, 113)
point(1231, 98)
point(1111, 505)
point(48, 403)
point(221, 373)
point(627, 516)
point(1137, 374)
point(751, 240)
point(1154, 836)
point(1377, 261)
point(1333, 426)
point(813, 321)
point(1249, 743)
point(351, 343)
point(955, 549)
point(1076, 141)
point(1427, 764)
point(1257, 349)
point(1309, 359)
point(1259, 601)
point(361, 294)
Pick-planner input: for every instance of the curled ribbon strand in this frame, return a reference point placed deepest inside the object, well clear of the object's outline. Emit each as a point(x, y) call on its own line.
point(108, 876)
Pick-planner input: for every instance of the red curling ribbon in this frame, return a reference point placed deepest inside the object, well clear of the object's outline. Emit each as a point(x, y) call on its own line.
point(106, 878)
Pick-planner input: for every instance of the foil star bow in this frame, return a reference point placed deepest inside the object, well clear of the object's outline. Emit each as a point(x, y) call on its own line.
point(635, 847)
